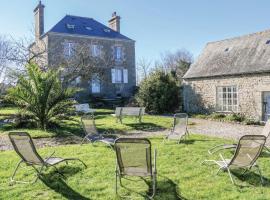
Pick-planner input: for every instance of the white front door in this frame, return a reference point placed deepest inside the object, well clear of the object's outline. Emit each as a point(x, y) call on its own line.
point(95, 84)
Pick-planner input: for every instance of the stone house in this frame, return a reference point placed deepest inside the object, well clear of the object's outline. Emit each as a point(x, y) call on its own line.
point(231, 76)
point(112, 52)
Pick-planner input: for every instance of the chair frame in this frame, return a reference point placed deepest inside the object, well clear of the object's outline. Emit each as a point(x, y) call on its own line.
point(94, 137)
point(232, 146)
point(229, 165)
point(153, 169)
point(172, 131)
point(43, 164)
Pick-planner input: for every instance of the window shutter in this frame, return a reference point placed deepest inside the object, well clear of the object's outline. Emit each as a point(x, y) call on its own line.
point(125, 71)
point(113, 75)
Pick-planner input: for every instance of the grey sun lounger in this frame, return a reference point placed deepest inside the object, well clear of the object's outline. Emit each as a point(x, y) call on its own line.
point(245, 156)
point(25, 148)
point(179, 129)
point(134, 158)
point(265, 132)
point(92, 134)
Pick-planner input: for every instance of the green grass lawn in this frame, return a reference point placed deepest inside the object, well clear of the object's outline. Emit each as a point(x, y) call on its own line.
point(104, 121)
point(180, 175)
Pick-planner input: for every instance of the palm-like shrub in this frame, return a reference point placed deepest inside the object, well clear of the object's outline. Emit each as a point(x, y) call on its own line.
point(41, 94)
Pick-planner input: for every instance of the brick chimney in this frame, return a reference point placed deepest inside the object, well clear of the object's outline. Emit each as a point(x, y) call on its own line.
point(39, 20)
point(114, 22)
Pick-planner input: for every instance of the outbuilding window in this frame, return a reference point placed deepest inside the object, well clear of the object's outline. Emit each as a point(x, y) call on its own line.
point(227, 99)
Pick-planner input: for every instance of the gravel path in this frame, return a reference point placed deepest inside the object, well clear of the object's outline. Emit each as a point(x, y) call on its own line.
point(200, 126)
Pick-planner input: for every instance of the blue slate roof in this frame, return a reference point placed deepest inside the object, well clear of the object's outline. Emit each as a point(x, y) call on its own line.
point(85, 26)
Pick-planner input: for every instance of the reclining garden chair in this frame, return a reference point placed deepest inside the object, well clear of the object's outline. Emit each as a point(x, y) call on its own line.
point(246, 154)
point(265, 132)
point(179, 128)
point(25, 148)
point(134, 158)
point(92, 134)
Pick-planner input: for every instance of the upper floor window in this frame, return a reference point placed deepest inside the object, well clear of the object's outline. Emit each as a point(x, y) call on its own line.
point(227, 98)
point(118, 52)
point(95, 50)
point(69, 49)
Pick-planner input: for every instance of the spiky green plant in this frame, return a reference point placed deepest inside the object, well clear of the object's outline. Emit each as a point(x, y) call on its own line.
point(42, 95)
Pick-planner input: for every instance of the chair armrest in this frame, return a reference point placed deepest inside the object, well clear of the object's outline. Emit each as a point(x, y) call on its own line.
point(221, 147)
point(50, 156)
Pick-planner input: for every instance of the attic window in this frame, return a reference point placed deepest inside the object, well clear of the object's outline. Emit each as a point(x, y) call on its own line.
point(88, 28)
point(227, 49)
point(267, 42)
point(107, 30)
point(70, 26)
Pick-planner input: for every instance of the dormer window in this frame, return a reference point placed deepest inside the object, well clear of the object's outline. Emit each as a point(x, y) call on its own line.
point(107, 30)
point(70, 26)
point(88, 28)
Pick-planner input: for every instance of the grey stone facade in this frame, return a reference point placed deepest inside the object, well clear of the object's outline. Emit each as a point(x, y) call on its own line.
point(200, 95)
point(107, 88)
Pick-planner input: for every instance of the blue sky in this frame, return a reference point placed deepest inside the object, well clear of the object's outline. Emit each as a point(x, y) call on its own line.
point(156, 25)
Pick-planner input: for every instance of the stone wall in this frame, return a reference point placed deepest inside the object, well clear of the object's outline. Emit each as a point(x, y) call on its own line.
point(200, 94)
point(56, 58)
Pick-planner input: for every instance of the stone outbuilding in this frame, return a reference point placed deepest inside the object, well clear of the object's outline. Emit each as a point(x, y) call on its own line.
point(231, 76)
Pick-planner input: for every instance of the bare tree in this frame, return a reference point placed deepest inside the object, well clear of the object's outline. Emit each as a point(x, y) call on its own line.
point(143, 68)
point(177, 62)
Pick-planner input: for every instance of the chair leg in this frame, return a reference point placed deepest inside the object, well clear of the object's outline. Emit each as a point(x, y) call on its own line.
point(260, 172)
point(116, 182)
point(229, 172)
point(83, 140)
point(267, 149)
point(153, 186)
point(38, 172)
point(15, 171)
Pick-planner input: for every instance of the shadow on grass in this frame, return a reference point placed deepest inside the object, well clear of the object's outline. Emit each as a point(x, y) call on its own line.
point(166, 189)
point(150, 127)
point(56, 183)
point(251, 178)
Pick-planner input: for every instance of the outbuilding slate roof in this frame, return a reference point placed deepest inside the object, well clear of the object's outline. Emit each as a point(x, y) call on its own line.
point(240, 55)
point(85, 26)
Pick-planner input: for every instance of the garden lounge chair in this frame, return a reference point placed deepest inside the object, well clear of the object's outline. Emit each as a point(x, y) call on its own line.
point(92, 134)
point(246, 154)
point(265, 132)
point(134, 158)
point(179, 128)
point(25, 148)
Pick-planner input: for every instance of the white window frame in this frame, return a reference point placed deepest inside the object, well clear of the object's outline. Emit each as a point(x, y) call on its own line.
point(95, 78)
point(118, 75)
point(95, 50)
point(118, 52)
point(69, 49)
point(227, 98)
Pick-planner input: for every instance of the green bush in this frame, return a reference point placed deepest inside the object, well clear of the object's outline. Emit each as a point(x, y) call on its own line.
point(235, 117)
point(217, 116)
point(159, 93)
point(41, 95)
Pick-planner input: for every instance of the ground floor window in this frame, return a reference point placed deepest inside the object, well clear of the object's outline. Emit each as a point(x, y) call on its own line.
point(227, 98)
point(95, 84)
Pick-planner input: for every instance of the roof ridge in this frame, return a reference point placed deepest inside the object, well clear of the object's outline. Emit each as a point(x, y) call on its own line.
point(80, 17)
point(241, 36)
